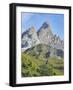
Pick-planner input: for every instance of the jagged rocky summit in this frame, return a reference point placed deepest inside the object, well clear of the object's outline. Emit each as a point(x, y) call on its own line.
point(43, 36)
point(29, 39)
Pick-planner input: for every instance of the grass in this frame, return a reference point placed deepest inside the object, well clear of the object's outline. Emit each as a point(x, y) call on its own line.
point(57, 65)
point(58, 72)
point(32, 66)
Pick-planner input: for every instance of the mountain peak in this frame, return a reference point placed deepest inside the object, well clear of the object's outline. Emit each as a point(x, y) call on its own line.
point(29, 39)
point(45, 25)
point(32, 29)
point(44, 35)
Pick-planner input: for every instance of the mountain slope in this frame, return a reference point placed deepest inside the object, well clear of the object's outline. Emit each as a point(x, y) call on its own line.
point(44, 51)
point(36, 61)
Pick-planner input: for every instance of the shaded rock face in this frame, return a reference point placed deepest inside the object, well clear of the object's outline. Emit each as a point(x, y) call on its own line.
point(43, 36)
point(60, 53)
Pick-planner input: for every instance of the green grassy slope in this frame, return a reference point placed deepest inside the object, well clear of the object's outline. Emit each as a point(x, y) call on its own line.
point(34, 63)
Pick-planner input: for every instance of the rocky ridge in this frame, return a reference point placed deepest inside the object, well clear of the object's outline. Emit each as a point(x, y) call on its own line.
point(44, 36)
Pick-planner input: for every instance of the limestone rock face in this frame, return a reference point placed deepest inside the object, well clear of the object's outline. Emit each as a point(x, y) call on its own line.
point(57, 42)
point(29, 39)
point(46, 36)
point(43, 36)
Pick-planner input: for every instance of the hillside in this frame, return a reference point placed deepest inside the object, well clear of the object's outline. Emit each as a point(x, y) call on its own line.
point(36, 61)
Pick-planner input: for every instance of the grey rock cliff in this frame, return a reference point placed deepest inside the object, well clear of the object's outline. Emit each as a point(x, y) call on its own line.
point(47, 37)
point(44, 35)
point(29, 39)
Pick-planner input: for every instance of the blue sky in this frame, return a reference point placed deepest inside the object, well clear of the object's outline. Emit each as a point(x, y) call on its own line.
point(56, 22)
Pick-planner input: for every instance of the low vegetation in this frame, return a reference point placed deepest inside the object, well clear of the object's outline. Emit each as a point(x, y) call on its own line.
point(37, 66)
